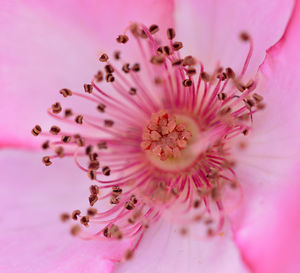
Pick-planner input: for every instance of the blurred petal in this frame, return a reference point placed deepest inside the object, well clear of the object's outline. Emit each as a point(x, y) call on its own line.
point(46, 46)
point(267, 225)
point(165, 250)
point(35, 239)
point(210, 29)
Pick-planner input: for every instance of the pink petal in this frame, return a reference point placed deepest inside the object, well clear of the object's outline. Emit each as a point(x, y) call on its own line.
point(267, 225)
point(46, 46)
point(33, 197)
point(164, 250)
point(210, 29)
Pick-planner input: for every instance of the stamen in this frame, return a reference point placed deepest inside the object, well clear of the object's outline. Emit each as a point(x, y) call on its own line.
point(36, 130)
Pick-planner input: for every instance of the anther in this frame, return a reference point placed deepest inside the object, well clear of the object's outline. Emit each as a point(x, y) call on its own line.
point(36, 130)
point(108, 123)
point(114, 200)
point(157, 60)
point(45, 145)
point(92, 156)
point(78, 119)
point(222, 96)
point(93, 198)
point(102, 145)
point(99, 76)
point(65, 92)
point(230, 73)
point(94, 165)
point(85, 220)
point(129, 205)
point(110, 78)
point(88, 150)
point(106, 170)
point(245, 132)
point(205, 76)
point(115, 232)
point(68, 113)
point(46, 160)
point(123, 39)
point(54, 130)
point(160, 50)
point(88, 88)
point(80, 141)
point(103, 58)
point(153, 29)
point(191, 71)
point(189, 60)
point(116, 190)
point(133, 199)
point(106, 232)
point(136, 67)
point(59, 151)
point(249, 103)
point(76, 214)
point(101, 107)
point(167, 50)
point(177, 62)
point(56, 108)
point(75, 230)
point(257, 97)
point(171, 33)
point(117, 55)
point(128, 254)
point(196, 204)
point(94, 189)
point(132, 91)
point(92, 174)
point(126, 68)
point(91, 211)
point(64, 217)
point(177, 46)
point(109, 69)
point(187, 82)
point(244, 36)
point(222, 76)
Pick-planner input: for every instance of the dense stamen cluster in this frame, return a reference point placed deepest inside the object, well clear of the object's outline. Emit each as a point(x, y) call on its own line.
point(170, 107)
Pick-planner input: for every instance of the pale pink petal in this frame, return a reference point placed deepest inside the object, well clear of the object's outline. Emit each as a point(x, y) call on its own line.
point(266, 225)
point(32, 197)
point(46, 46)
point(165, 250)
point(210, 29)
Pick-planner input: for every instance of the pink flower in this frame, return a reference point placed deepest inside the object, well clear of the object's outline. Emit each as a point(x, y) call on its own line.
point(189, 191)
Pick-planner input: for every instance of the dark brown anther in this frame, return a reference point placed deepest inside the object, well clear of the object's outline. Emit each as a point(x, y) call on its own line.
point(175, 192)
point(91, 211)
point(143, 34)
point(129, 205)
point(189, 61)
point(133, 199)
point(45, 145)
point(115, 232)
point(240, 87)
point(94, 165)
point(222, 76)
point(205, 76)
point(56, 108)
point(93, 198)
point(101, 107)
point(153, 29)
point(59, 151)
point(135, 30)
point(177, 62)
point(177, 46)
point(249, 84)
point(88, 88)
point(244, 36)
point(132, 91)
point(76, 214)
point(109, 78)
point(94, 189)
point(122, 39)
point(222, 96)
point(106, 170)
point(136, 67)
point(117, 55)
point(80, 141)
point(103, 58)
point(167, 50)
point(257, 97)
point(65, 139)
point(78, 119)
point(65, 92)
point(102, 145)
point(249, 103)
point(108, 123)
point(114, 200)
point(160, 50)
point(106, 232)
point(191, 71)
point(109, 69)
point(75, 230)
point(171, 33)
point(36, 130)
point(46, 160)
point(225, 111)
point(99, 76)
point(85, 220)
point(93, 156)
point(187, 83)
point(92, 174)
point(157, 59)
point(54, 130)
point(230, 73)
point(245, 132)
point(64, 217)
point(196, 204)
point(68, 113)
point(88, 150)
point(116, 190)
point(126, 68)
point(128, 255)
